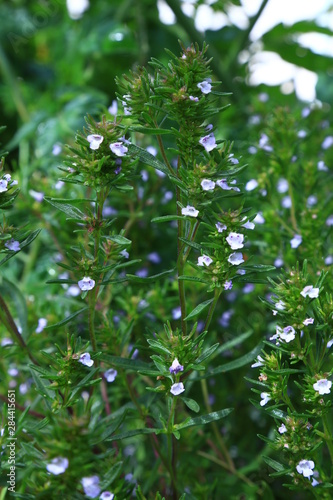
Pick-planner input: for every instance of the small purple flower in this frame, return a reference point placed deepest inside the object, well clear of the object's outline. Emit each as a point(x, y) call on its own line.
point(39, 197)
point(106, 495)
point(220, 227)
point(3, 185)
point(296, 241)
point(194, 99)
point(305, 467)
point(42, 322)
point(110, 375)
point(86, 360)
point(118, 148)
point(86, 284)
point(13, 245)
point(95, 140)
point(177, 388)
point(113, 109)
point(227, 285)
point(205, 86)
point(259, 362)
point(308, 321)
point(176, 313)
point(323, 386)
point(91, 486)
point(282, 185)
point(176, 367)
point(208, 142)
point(248, 225)
point(57, 466)
point(282, 429)
point(327, 142)
point(222, 183)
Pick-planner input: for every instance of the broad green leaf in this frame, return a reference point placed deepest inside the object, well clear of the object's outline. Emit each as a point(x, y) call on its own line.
point(204, 419)
point(191, 404)
point(68, 319)
point(197, 310)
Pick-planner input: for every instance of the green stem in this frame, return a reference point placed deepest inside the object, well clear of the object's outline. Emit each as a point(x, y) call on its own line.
point(217, 293)
point(328, 436)
point(11, 81)
point(7, 320)
point(91, 319)
point(225, 466)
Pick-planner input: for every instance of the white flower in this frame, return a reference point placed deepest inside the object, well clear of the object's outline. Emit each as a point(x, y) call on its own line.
point(36, 195)
point(296, 241)
point(220, 227)
point(264, 143)
point(311, 201)
point(321, 166)
point(113, 109)
point(282, 429)
point(282, 186)
point(251, 185)
point(204, 260)
point(327, 142)
point(278, 262)
point(286, 202)
point(57, 466)
point(308, 321)
point(323, 386)
point(235, 240)
point(329, 221)
point(208, 142)
point(195, 99)
point(265, 397)
point(3, 185)
point(106, 495)
point(248, 225)
point(124, 253)
point(91, 486)
point(259, 219)
point(86, 360)
point(95, 140)
point(305, 467)
point(260, 362)
point(42, 322)
point(176, 313)
point(118, 148)
point(236, 258)
point(177, 389)
point(110, 375)
point(205, 86)
point(86, 284)
point(207, 185)
point(176, 367)
point(280, 305)
point(190, 211)
point(311, 292)
point(76, 8)
point(13, 245)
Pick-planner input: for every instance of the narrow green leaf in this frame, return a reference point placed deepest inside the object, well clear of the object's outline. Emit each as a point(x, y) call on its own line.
point(167, 218)
point(148, 158)
point(204, 419)
point(149, 279)
point(206, 354)
point(274, 464)
point(150, 131)
point(236, 341)
point(68, 319)
point(194, 278)
point(8, 289)
point(197, 310)
point(69, 210)
point(136, 432)
point(124, 363)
